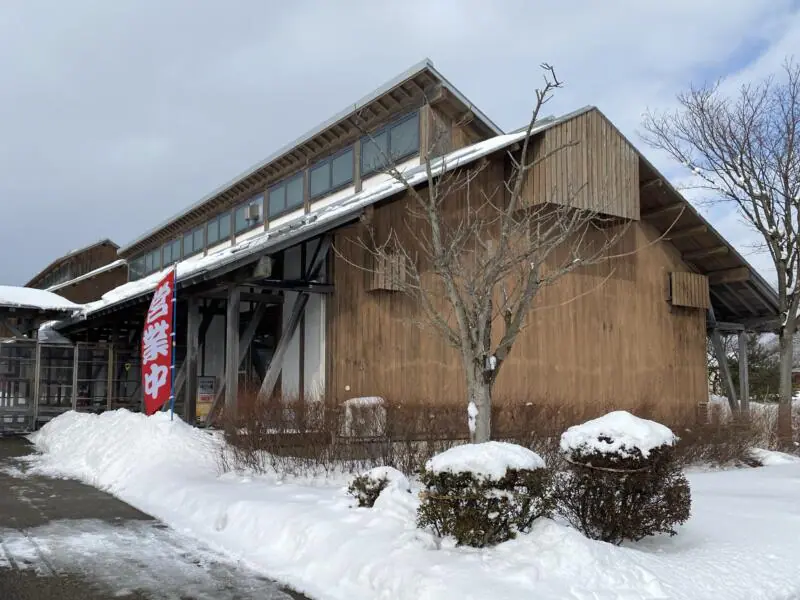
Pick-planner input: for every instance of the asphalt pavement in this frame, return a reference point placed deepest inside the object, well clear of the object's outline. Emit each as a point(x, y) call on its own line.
point(63, 540)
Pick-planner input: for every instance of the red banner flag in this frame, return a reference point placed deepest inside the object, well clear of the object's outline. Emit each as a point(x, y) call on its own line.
point(157, 347)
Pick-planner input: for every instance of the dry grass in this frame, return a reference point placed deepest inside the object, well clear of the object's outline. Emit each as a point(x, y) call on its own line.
point(298, 437)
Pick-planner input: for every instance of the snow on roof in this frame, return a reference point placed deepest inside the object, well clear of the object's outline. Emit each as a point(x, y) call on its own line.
point(112, 265)
point(489, 459)
point(320, 217)
point(23, 297)
point(48, 335)
point(618, 432)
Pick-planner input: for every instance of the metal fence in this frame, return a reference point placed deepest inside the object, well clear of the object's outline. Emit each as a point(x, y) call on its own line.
point(40, 381)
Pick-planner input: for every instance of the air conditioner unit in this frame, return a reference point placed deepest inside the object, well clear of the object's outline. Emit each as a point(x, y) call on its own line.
point(253, 212)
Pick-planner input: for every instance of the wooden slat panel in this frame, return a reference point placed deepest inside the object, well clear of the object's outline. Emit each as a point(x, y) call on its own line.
point(588, 165)
point(689, 289)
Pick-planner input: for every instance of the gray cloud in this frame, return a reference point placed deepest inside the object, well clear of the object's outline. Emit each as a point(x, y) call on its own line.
point(116, 115)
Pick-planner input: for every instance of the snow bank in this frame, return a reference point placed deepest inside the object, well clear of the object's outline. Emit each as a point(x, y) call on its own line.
point(306, 534)
point(489, 459)
point(615, 433)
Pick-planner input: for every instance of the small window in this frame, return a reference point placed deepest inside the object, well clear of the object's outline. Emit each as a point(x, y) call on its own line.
point(212, 231)
point(224, 226)
point(193, 242)
point(373, 151)
point(136, 268)
point(404, 138)
point(249, 214)
point(342, 169)
point(319, 180)
point(286, 196)
point(171, 252)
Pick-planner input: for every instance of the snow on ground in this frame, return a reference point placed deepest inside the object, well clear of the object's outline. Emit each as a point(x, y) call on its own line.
point(615, 432)
point(742, 541)
point(489, 459)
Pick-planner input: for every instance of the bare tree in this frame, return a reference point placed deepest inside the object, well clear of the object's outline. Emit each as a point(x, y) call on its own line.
point(475, 252)
point(745, 149)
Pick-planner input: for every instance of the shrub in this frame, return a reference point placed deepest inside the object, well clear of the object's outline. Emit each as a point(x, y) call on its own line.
point(368, 486)
point(483, 494)
point(622, 480)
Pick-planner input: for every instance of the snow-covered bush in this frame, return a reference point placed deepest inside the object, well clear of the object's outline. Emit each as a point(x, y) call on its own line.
point(483, 494)
point(368, 486)
point(622, 480)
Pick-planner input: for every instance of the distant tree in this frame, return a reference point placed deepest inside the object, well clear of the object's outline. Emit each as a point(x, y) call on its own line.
point(763, 363)
point(745, 149)
point(475, 271)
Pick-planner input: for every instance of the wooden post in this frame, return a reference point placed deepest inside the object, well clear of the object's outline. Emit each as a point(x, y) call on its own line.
point(36, 377)
point(192, 352)
point(722, 361)
point(744, 375)
point(110, 377)
point(276, 363)
point(232, 351)
point(76, 354)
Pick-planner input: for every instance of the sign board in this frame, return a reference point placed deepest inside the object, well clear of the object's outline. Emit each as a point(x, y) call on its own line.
point(206, 389)
point(158, 338)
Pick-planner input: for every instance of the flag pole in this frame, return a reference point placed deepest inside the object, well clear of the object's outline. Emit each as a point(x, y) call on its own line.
point(172, 342)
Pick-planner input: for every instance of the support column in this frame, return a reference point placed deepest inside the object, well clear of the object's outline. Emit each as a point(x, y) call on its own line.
point(37, 368)
point(722, 361)
point(76, 354)
point(744, 375)
point(232, 351)
point(110, 377)
point(192, 353)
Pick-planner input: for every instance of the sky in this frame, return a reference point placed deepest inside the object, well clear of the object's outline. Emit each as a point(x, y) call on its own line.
point(116, 115)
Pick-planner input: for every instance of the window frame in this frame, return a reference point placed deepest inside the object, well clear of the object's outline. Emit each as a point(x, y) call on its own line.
point(387, 129)
point(301, 175)
point(331, 189)
point(217, 221)
point(191, 234)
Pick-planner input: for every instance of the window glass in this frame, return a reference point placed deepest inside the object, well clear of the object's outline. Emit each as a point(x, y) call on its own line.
point(239, 219)
point(212, 231)
point(224, 226)
point(167, 254)
point(176, 249)
point(342, 169)
point(373, 151)
point(319, 179)
point(148, 262)
point(198, 239)
point(404, 138)
point(136, 268)
point(294, 192)
point(188, 244)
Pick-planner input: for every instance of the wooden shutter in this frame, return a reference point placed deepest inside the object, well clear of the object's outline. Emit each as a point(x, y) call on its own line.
point(389, 273)
point(689, 289)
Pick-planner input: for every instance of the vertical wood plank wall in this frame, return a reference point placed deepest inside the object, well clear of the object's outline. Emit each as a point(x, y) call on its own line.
point(600, 172)
point(602, 337)
point(690, 289)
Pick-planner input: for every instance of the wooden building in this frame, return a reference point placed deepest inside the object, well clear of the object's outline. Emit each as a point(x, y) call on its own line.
point(273, 293)
point(83, 275)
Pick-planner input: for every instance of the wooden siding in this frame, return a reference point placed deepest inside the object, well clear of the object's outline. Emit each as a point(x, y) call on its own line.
point(689, 289)
point(585, 162)
point(603, 337)
point(91, 289)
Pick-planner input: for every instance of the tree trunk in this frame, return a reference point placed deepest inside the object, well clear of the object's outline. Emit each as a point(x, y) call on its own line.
point(785, 390)
point(479, 407)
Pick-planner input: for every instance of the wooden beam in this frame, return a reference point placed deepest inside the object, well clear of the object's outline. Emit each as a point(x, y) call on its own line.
point(726, 326)
point(742, 299)
point(728, 275)
point(271, 299)
point(662, 210)
point(722, 300)
point(744, 374)
point(657, 182)
point(705, 253)
point(676, 234)
point(208, 315)
point(722, 361)
point(232, 353)
point(192, 353)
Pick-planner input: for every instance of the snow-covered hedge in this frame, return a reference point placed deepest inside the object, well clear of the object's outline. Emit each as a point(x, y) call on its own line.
point(484, 494)
point(623, 481)
point(368, 486)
